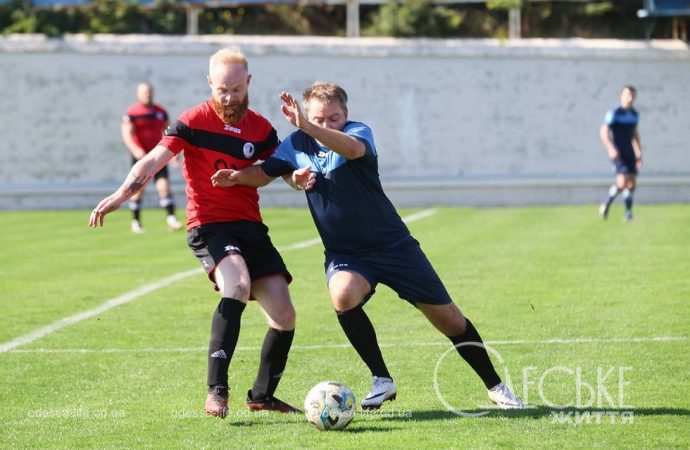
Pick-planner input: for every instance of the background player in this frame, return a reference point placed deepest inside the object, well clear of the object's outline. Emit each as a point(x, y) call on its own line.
point(621, 140)
point(225, 230)
point(365, 239)
point(142, 128)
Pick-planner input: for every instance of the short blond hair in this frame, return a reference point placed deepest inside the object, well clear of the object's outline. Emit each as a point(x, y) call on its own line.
point(227, 56)
point(326, 92)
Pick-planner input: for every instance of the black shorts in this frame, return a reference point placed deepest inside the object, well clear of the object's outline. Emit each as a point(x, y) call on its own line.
point(624, 166)
point(163, 173)
point(403, 268)
point(212, 242)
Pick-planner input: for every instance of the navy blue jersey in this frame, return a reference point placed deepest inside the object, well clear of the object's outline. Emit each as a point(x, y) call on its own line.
point(350, 209)
point(623, 124)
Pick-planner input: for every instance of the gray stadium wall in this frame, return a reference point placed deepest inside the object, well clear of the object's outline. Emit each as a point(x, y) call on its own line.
point(457, 122)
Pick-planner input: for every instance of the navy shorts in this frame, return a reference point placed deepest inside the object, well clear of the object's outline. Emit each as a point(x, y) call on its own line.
point(625, 167)
point(212, 242)
point(163, 173)
point(403, 268)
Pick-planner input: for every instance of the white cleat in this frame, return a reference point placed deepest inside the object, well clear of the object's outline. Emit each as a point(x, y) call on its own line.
point(136, 227)
point(383, 389)
point(173, 224)
point(504, 398)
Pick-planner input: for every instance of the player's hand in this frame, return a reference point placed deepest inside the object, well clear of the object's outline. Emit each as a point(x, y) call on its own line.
point(105, 206)
point(225, 178)
point(291, 110)
point(638, 163)
point(303, 178)
point(613, 154)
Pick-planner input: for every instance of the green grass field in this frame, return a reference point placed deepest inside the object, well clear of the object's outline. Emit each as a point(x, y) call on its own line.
point(616, 295)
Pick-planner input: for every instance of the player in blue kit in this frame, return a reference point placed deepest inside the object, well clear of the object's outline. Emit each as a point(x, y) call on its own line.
point(621, 139)
point(335, 161)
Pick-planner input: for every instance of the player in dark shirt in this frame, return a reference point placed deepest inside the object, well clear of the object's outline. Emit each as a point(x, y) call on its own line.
point(366, 242)
point(142, 128)
point(621, 140)
point(225, 231)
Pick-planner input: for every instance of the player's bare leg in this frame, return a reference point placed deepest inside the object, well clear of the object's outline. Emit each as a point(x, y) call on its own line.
point(348, 291)
point(232, 278)
point(450, 321)
point(274, 298)
point(167, 202)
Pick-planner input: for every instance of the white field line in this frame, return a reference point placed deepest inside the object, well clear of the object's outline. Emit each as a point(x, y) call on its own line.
point(556, 341)
point(139, 292)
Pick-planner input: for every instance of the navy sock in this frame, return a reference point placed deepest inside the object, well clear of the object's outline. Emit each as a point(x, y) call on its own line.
point(628, 198)
point(476, 355)
point(360, 332)
point(613, 193)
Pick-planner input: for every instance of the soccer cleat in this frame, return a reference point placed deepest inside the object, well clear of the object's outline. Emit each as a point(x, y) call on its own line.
point(382, 389)
point(269, 404)
point(217, 402)
point(173, 224)
point(136, 227)
point(628, 216)
point(504, 398)
point(604, 211)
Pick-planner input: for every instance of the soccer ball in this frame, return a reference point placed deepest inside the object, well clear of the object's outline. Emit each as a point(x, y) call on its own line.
point(329, 405)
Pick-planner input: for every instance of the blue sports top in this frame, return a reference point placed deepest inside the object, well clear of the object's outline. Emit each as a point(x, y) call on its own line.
point(348, 205)
point(623, 124)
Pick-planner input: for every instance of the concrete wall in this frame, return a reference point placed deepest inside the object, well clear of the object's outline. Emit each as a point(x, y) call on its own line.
point(465, 116)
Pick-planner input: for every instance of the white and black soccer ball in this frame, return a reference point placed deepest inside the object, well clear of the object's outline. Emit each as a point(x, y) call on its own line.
point(330, 405)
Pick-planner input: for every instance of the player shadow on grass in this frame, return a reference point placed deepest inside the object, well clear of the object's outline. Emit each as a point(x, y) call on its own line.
point(535, 412)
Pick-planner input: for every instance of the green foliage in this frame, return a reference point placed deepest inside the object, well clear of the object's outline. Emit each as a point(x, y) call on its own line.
point(503, 4)
point(597, 9)
point(166, 18)
point(410, 18)
point(415, 18)
point(115, 16)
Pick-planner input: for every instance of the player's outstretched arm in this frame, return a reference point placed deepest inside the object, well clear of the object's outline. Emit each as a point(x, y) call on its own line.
point(347, 146)
point(605, 135)
point(249, 176)
point(138, 176)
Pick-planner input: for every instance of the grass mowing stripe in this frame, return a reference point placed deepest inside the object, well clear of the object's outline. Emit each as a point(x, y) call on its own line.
point(146, 289)
point(554, 341)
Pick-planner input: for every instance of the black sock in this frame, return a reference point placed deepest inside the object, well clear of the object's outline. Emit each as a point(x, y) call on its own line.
point(274, 354)
point(169, 204)
point(360, 332)
point(476, 356)
point(628, 198)
point(225, 329)
point(135, 207)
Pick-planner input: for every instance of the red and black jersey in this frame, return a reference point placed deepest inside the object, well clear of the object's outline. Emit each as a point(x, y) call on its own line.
point(148, 122)
point(209, 144)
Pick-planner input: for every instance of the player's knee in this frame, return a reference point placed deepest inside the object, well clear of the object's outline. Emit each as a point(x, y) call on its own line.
point(344, 301)
point(285, 319)
point(239, 290)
